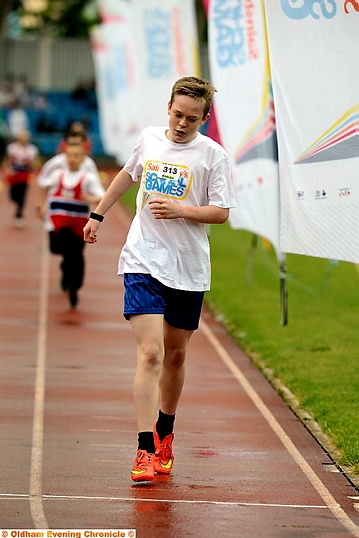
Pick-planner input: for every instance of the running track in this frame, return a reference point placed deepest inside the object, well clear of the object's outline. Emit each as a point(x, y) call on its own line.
point(245, 466)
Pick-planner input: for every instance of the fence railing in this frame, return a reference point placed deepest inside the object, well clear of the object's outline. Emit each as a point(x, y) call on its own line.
point(47, 64)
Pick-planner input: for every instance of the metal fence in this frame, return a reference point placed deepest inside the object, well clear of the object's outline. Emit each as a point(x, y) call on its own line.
point(47, 64)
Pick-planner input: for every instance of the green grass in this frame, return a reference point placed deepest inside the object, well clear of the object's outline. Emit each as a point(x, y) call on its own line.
point(316, 355)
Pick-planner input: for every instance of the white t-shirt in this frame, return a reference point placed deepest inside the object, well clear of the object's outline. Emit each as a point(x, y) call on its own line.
point(18, 121)
point(59, 162)
point(90, 185)
point(175, 251)
point(21, 156)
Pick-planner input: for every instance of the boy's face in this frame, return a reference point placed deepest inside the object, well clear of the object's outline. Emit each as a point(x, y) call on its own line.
point(185, 117)
point(23, 138)
point(75, 156)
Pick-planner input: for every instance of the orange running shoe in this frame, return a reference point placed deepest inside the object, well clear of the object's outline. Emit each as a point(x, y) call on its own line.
point(143, 467)
point(164, 457)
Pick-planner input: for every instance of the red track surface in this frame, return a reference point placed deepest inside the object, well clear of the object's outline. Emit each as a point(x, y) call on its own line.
point(245, 466)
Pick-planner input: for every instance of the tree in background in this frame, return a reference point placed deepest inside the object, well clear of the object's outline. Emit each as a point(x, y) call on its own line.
point(55, 18)
point(8, 8)
point(65, 18)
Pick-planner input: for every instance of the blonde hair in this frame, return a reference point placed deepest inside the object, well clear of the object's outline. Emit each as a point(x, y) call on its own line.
point(198, 88)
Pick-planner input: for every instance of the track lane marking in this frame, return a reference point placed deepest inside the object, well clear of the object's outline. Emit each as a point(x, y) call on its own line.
point(17, 496)
point(313, 478)
point(36, 506)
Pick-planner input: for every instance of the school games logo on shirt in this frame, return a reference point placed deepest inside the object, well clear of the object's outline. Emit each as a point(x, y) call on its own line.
point(165, 179)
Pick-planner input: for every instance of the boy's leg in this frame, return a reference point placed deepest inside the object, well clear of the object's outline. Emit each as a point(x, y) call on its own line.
point(23, 188)
point(56, 247)
point(73, 264)
point(17, 195)
point(148, 332)
point(171, 385)
point(55, 244)
point(173, 368)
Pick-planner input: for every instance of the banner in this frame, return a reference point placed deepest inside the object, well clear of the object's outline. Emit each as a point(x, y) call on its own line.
point(146, 45)
point(117, 78)
point(105, 88)
point(165, 34)
point(210, 128)
point(314, 48)
point(245, 114)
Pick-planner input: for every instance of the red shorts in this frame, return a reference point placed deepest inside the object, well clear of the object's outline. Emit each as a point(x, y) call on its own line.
point(18, 177)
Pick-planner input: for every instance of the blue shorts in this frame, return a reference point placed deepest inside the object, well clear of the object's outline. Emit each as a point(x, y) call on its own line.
point(146, 295)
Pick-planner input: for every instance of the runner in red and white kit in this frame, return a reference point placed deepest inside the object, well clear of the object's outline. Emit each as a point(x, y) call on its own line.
point(20, 161)
point(65, 198)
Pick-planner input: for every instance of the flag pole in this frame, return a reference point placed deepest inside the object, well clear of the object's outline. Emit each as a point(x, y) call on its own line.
point(283, 291)
point(251, 250)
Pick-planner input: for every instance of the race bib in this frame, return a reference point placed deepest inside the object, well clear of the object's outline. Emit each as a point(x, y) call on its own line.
point(165, 179)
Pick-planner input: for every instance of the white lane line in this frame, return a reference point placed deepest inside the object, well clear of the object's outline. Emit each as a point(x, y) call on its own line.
point(105, 445)
point(11, 496)
point(108, 461)
point(313, 478)
point(107, 417)
point(99, 430)
point(36, 505)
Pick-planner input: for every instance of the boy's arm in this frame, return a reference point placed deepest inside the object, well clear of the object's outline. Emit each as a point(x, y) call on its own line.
point(7, 166)
point(119, 185)
point(163, 208)
point(35, 159)
point(209, 214)
point(48, 168)
point(41, 207)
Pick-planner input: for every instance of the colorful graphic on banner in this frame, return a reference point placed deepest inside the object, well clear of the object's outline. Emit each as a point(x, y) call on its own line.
point(313, 8)
point(341, 141)
point(315, 80)
point(261, 139)
point(245, 114)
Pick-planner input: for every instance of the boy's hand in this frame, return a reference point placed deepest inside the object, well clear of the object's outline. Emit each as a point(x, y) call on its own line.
point(40, 211)
point(90, 231)
point(163, 208)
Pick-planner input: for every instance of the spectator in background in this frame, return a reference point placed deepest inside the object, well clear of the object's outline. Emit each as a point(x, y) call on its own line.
point(18, 119)
point(22, 91)
point(40, 101)
point(85, 92)
point(21, 159)
point(79, 92)
point(15, 89)
point(48, 116)
point(7, 94)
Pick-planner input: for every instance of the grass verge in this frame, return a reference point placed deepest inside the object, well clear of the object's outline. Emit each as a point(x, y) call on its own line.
point(316, 354)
